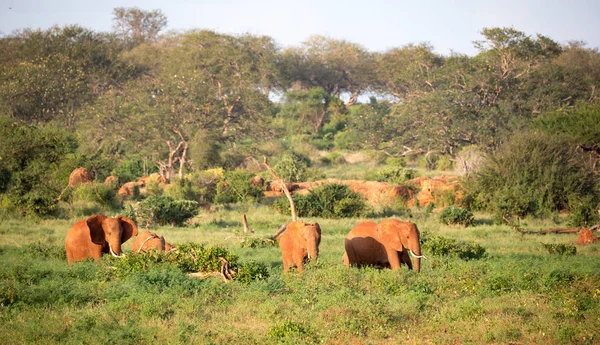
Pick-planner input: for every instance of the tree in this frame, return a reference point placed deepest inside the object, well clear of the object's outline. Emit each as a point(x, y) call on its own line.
point(336, 66)
point(138, 26)
point(30, 157)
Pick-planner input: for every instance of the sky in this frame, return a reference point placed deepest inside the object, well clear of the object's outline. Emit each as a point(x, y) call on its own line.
point(449, 26)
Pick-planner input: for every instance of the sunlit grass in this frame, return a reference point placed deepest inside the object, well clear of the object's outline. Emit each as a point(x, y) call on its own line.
point(518, 293)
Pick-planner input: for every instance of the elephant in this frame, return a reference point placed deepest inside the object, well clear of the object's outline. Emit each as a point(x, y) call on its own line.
point(148, 241)
point(387, 244)
point(299, 242)
point(98, 234)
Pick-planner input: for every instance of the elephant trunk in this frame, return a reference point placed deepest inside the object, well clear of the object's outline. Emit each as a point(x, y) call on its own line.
point(117, 252)
point(417, 256)
point(313, 250)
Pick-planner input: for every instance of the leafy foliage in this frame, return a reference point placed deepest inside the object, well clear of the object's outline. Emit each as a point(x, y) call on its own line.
point(163, 210)
point(442, 246)
point(327, 201)
point(258, 242)
point(237, 187)
point(191, 257)
point(456, 215)
point(95, 192)
point(292, 167)
point(535, 174)
point(30, 159)
point(560, 248)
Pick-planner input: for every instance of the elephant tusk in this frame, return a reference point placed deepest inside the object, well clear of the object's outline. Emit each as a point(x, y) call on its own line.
point(146, 240)
point(416, 256)
point(113, 253)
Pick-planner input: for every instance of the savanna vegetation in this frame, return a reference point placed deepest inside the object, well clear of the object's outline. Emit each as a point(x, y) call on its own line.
point(186, 117)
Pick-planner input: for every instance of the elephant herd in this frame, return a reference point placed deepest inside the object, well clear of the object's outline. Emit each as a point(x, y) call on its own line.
point(387, 244)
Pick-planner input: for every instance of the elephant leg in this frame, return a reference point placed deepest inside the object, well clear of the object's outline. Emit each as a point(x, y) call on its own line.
point(345, 259)
point(299, 260)
point(351, 257)
point(393, 258)
point(406, 259)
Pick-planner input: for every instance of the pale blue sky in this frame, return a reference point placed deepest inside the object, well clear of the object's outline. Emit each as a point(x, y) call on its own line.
point(375, 24)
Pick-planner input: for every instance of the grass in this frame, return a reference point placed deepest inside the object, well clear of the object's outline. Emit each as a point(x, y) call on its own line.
point(518, 293)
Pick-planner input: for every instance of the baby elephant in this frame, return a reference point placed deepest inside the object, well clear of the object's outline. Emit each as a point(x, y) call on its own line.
point(148, 241)
point(299, 242)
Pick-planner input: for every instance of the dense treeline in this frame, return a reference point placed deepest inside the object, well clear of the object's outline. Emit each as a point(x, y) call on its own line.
point(188, 101)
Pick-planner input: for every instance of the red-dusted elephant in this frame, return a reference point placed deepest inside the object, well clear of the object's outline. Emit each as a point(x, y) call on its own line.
point(148, 241)
point(96, 235)
point(299, 242)
point(386, 244)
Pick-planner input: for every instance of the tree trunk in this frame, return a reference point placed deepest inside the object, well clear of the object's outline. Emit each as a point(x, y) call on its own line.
point(285, 189)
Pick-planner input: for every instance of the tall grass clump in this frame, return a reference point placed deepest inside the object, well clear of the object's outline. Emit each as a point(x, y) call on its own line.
point(535, 174)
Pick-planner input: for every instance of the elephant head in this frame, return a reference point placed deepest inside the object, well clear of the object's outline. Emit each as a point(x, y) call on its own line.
point(111, 232)
point(299, 242)
point(310, 234)
point(402, 237)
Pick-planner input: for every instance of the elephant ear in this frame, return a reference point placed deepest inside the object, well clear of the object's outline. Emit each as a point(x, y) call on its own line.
point(388, 233)
point(94, 223)
point(129, 228)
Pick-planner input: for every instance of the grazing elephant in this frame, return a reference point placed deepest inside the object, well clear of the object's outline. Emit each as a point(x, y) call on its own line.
point(386, 244)
point(96, 235)
point(299, 242)
point(148, 241)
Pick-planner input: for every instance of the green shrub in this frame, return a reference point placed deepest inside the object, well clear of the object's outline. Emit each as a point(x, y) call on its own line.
point(191, 257)
point(183, 189)
point(444, 163)
point(252, 242)
point(327, 201)
point(236, 187)
point(292, 167)
point(397, 175)
point(204, 150)
point(96, 192)
point(428, 162)
point(162, 210)
point(395, 162)
point(31, 157)
point(535, 174)
point(560, 248)
point(440, 246)
point(456, 215)
point(134, 168)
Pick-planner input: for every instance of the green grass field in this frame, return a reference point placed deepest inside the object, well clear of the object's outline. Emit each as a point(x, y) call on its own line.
point(517, 294)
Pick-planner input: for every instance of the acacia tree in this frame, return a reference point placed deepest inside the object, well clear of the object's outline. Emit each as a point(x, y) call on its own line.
point(52, 74)
point(138, 26)
point(195, 81)
point(336, 66)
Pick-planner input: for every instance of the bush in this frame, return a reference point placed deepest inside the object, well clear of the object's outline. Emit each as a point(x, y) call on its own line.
point(441, 246)
point(134, 168)
point(327, 201)
point(162, 210)
point(397, 175)
point(191, 257)
point(456, 215)
point(183, 189)
point(535, 174)
point(258, 242)
point(31, 157)
point(236, 187)
point(204, 150)
point(560, 249)
point(96, 192)
point(292, 167)
point(395, 162)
